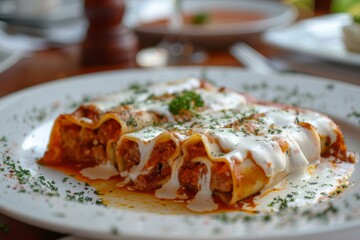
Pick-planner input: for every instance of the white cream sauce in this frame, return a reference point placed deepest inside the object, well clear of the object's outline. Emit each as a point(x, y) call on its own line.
point(146, 134)
point(322, 124)
point(217, 101)
point(159, 108)
point(203, 200)
point(299, 190)
point(303, 145)
point(102, 171)
point(214, 99)
point(264, 147)
point(145, 139)
point(106, 103)
point(267, 136)
point(170, 189)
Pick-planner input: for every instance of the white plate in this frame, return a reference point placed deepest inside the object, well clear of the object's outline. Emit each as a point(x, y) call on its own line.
point(276, 15)
point(319, 36)
point(26, 118)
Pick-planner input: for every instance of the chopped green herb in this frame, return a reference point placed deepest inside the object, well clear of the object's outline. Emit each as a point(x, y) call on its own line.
point(274, 131)
point(150, 97)
point(267, 218)
point(243, 131)
point(138, 88)
point(100, 202)
point(131, 122)
point(77, 197)
point(189, 100)
point(223, 217)
point(135, 86)
point(330, 86)
point(127, 102)
point(357, 196)
point(313, 183)
point(248, 218)
point(114, 231)
point(355, 114)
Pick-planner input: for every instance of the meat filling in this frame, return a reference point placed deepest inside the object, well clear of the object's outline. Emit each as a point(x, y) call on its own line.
point(157, 168)
point(86, 145)
point(221, 180)
point(190, 172)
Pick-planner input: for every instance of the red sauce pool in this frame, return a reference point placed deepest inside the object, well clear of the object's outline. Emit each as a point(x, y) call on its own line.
point(116, 197)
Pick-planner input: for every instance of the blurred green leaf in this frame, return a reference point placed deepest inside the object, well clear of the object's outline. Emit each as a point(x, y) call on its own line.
point(200, 18)
point(344, 5)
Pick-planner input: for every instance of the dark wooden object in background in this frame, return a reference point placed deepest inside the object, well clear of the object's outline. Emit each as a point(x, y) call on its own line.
point(322, 7)
point(107, 41)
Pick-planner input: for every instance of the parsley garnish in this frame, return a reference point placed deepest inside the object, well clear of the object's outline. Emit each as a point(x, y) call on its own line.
point(138, 88)
point(189, 100)
point(131, 122)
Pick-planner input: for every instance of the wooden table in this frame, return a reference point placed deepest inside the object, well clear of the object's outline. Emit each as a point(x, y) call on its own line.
point(57, 63)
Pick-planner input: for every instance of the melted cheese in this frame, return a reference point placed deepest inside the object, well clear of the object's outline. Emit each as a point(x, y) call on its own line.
point(299, 190)
point(170, 189)
point(143, 100)
point(279, 145)
point(324, 125)
point(103, 171)
point(213, 101)
point(203, 201)
point(146, 140)
point(217, 101)
point(106, 103)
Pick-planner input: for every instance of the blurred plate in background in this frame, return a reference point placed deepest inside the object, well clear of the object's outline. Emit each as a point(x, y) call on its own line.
point(319, 37)
point(9, 58)
point(228, 20)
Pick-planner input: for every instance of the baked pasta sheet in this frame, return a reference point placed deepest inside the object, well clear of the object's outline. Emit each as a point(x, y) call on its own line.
point(190, 141)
